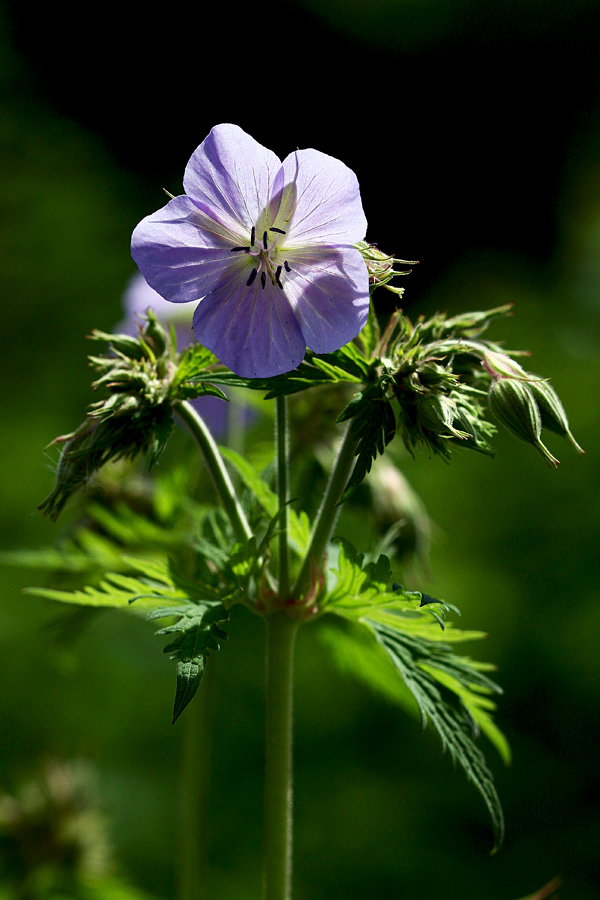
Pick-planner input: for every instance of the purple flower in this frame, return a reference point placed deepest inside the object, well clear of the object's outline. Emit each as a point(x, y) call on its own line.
point(267, 247)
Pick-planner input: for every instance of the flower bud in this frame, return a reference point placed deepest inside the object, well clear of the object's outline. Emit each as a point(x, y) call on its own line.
point(513, 404)
point(552, 412)
point(121, 343)
point(438, 412)
point(154, 334)
point(499, 365)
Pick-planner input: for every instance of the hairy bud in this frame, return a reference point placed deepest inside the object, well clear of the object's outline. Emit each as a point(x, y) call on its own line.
point(513, 404)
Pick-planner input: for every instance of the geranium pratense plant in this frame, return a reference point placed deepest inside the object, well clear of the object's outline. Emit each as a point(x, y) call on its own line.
point(268, 247)
point(273, 253)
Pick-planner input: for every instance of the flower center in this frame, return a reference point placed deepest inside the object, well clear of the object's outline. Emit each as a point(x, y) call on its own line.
point(264, 257)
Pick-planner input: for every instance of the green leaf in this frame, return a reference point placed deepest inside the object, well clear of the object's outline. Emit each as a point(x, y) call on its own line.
point(345, 365)
point(452, 692)
point(373, 427)
point(194, 362)
point(158, 586)
point(410, 656)
point(197, 633)
point(116, 591)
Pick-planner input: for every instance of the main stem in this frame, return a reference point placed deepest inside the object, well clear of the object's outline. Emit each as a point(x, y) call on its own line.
point(216, 468)
point(327, 515)
point(194, 792)
point(281, 633)
point(282, 445)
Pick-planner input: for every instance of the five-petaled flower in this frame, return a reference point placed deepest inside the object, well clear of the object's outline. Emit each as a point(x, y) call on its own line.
point(267, 247)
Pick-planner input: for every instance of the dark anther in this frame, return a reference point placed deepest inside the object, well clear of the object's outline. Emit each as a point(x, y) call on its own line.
point(287, 268)
point(252, 236)
point(237, 249)
point(278, 230)
point(265, 241)
point(253, 274)
point(277, 274)
point(263, 280)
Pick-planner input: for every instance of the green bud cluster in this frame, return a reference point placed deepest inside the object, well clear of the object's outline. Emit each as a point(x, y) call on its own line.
point(135, 416)
point(138, 375)
point(446, 379)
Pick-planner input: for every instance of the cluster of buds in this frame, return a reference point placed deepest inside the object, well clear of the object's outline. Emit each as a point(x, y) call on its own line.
point(445, 378)
point(134, 417)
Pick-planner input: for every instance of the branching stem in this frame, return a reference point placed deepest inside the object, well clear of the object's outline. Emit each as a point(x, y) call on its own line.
point(327, 515)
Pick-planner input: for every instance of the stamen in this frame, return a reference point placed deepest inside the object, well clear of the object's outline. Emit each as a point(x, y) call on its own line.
point(278, 230)
point(277, 274)
point(237, 249)
point(265, 244)
point(252, 236)
point(263, 280)
point(253, 274)
point(287, 268)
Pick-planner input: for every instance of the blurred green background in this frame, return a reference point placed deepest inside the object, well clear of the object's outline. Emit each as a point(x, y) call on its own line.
point(475, 134)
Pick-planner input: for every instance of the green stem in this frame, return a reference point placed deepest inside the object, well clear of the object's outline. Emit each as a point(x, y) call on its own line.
point(281, 633)
point(216, 468)
point(282, 444)
point(194, 792)
point(327, 515)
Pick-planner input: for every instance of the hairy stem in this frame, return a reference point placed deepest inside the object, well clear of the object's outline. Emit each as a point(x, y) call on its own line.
point(281, 633)
point(216, 468)
point(327, 515)
point(194, 792)
point(282, 446)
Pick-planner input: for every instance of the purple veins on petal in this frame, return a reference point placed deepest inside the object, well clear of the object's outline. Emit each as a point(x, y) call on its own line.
point(253, 331)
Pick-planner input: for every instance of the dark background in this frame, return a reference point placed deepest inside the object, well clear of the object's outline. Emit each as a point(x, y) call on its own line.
point(474, 131)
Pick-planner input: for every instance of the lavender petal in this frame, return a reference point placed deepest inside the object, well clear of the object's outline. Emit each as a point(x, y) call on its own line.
point(251, 329)
point(233, 174)
point(329, 292)
point(318, 200)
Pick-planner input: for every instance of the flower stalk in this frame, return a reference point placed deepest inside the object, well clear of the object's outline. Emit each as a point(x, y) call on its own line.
point(328, 513)
point(216, 468)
